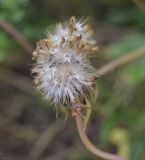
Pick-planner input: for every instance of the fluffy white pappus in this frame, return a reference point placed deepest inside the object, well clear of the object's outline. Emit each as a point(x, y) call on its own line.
point(63, 75)
point(62, 70)
point(64, 83)
point(71, 29)
point(82, 28)
point(58, 55)
point(58, 32)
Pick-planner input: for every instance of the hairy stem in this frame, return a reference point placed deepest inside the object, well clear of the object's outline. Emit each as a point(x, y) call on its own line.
point(97, 152)
point(110, 66)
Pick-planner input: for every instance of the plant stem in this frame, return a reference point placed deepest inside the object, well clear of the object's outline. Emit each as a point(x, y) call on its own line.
point(97, 152)
point(87, 117)
point(16, 35)
point(139, 4)
point(110, 66)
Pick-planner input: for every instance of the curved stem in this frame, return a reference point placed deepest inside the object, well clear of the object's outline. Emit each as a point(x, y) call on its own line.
point(110, 66)
point(87, 117)
point(97, 152)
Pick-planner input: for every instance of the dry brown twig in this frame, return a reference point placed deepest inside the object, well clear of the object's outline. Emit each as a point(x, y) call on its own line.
point(139, 4)
point(47, 136)
point(125, 59)
point(16, 35)
point(66, 152)
point(16, 80)
point(18, 130)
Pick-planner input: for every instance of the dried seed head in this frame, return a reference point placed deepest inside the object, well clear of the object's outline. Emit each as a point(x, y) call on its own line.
point(62, 72)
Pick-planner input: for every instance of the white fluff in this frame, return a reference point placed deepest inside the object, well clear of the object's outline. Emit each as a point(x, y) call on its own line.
point(62, 71)
point(64, 76)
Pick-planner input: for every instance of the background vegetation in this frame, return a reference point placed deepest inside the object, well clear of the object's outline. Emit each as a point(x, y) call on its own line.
point(28, 127)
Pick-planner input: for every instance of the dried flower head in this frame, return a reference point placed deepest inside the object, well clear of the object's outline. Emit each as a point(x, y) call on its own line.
point(62, 70)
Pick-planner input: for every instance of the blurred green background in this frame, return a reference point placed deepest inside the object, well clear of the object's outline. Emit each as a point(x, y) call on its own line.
point(28, 126)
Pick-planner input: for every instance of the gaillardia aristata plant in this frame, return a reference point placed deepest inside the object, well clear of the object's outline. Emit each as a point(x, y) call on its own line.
point(63, 73)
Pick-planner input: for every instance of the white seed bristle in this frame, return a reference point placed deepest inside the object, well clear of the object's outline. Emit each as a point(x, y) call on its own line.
point(62, 71)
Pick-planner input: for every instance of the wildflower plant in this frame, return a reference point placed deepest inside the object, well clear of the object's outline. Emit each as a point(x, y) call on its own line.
point(64, 75)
